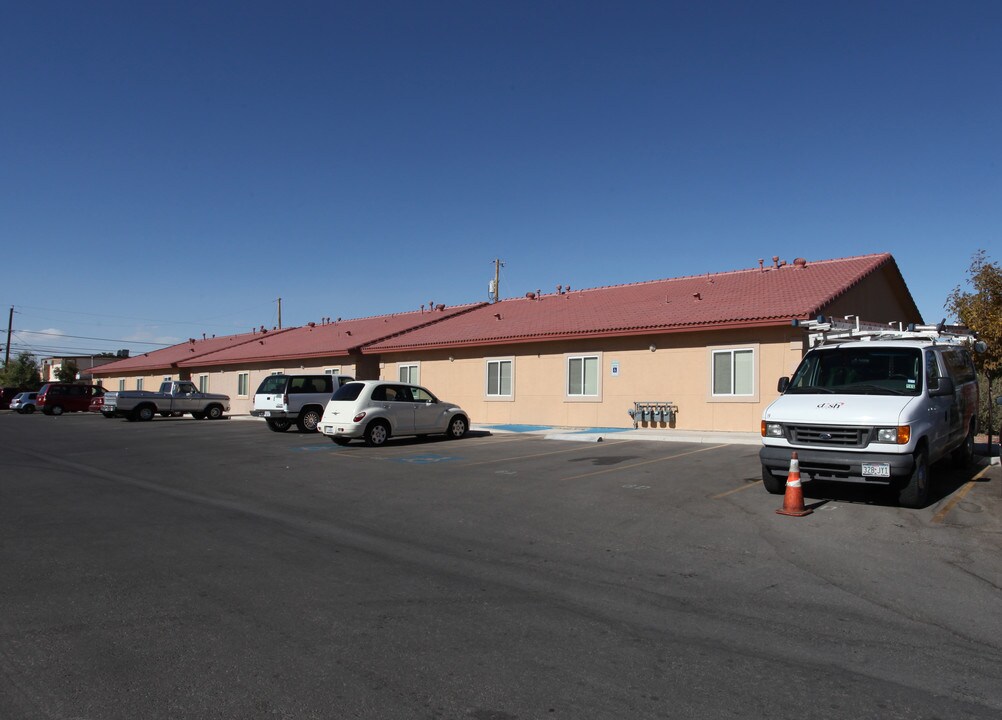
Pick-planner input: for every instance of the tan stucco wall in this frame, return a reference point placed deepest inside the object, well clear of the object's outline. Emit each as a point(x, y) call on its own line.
point(677, 371)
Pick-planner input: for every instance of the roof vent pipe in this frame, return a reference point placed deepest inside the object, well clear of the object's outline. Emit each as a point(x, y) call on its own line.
point(800, 262)
point(761, 264)
point(775, 261)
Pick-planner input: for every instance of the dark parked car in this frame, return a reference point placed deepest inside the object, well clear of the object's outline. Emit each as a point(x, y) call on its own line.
point(57, 398)
point(7, 395)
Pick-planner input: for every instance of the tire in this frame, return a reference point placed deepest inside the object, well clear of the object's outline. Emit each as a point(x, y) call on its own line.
point(338, 440)
point(56, 410)
point(108, 415)
point(915, 493)
point(457, 427)
point(198, 415)
point(963, 456)
point(773, 484)
point(144, 413)
point(28, 410)
point(309, 419)
point(377, 433)
point(214, 412)
point(280, 425)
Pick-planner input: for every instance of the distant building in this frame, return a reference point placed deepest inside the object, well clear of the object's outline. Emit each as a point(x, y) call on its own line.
point(50, 366)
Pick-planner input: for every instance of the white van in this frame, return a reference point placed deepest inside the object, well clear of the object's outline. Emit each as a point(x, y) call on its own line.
point(285, 399)
point(874, 406)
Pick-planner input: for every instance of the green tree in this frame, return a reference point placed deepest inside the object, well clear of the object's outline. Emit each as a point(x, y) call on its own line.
point(980, 309)
point(21, 372)
point(67, 371)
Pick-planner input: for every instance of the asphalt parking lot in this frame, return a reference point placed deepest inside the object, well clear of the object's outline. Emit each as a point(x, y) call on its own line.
point(183, 568)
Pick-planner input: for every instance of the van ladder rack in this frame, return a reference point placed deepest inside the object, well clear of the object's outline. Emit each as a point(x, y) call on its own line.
point(831, 331)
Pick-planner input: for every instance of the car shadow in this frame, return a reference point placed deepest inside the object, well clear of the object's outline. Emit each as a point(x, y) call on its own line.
point(945, 480)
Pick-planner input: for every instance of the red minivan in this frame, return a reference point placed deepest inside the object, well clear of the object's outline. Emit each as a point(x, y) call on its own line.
point(57, 398)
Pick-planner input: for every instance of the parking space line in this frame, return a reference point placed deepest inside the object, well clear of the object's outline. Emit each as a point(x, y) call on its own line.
point(757, 483)
point(959, 495)
point(619, 468)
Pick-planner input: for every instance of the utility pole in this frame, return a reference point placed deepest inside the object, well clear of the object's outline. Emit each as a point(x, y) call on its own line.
point(280, 313)
point(495, 289)
point(10, 326)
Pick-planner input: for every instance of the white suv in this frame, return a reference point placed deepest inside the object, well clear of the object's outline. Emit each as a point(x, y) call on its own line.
point(875, 407)
point(285, 399)
point(375, 410)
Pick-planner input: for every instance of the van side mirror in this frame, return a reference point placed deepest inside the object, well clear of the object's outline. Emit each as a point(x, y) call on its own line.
point(784, 382)
point(945, 387)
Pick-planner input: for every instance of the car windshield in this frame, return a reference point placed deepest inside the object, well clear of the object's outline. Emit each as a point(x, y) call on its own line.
point(859, 371)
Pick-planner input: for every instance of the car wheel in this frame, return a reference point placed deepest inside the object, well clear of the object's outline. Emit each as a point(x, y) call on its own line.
point(457, 428)
point(377, 433)
point(277, 425)
point(915, 493)
point(108, 415)
point(963, 456)
point(144, 413)
point(773, 484)
point(214, 412)
point(338, 440)
point(28, 409)
point(57, 410)
point(308, 420)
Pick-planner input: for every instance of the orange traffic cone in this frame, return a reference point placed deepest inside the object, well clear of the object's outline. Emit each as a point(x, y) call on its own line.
point(793, 500)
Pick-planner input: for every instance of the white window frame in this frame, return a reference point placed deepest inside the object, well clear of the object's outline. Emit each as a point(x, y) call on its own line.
point(732, 350)
point(583, 396)
point(243, 378)
point(203, 383)
point(139, 383)
point(332, 371)
point(413, 372)
point(499, 361)
point(121, 385)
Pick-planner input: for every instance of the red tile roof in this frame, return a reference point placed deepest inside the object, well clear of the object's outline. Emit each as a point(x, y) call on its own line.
point(335, 339)
point(744, 298)
point(172, 357)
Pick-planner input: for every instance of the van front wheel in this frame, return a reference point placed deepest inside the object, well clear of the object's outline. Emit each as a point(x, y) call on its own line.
point(775, 485)
point(915, 493)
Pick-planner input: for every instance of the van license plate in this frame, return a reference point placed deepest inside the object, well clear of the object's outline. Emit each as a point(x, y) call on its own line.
point(877, 470)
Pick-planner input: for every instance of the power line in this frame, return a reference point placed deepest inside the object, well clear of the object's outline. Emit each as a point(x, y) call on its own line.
point(84, 337)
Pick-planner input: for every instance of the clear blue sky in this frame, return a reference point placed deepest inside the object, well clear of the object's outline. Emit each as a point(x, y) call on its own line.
point(169, 169)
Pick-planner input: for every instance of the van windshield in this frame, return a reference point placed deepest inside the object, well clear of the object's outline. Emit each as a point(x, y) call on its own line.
point(859, 371)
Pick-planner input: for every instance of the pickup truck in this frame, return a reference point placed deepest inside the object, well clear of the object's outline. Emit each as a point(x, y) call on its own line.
point(174, 398)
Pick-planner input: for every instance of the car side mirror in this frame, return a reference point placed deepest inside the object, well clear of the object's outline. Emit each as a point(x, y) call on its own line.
point(784, 382)
point(944, 388)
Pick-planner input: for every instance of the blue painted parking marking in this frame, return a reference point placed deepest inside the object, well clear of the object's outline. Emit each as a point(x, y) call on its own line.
point(424, 459)
point(313, 448)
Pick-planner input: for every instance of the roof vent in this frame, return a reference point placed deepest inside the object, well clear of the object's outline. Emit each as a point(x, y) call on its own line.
point(530, 295)
point(800, 263)
point(440, 307)
point(312, 324)
point(497, 316)
point(698, 296)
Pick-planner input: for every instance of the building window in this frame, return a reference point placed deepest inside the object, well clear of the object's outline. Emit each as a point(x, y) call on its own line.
point(167, 378)
point(734, 372)
point(203, 383)
point(332, 371)
point(499, 378)
point(582, 376)
point(121, 385)
point(242, 384)
point(408, 374)
point(139, 383)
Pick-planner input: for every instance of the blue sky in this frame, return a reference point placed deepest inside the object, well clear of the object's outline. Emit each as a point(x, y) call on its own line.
point(169, 169)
